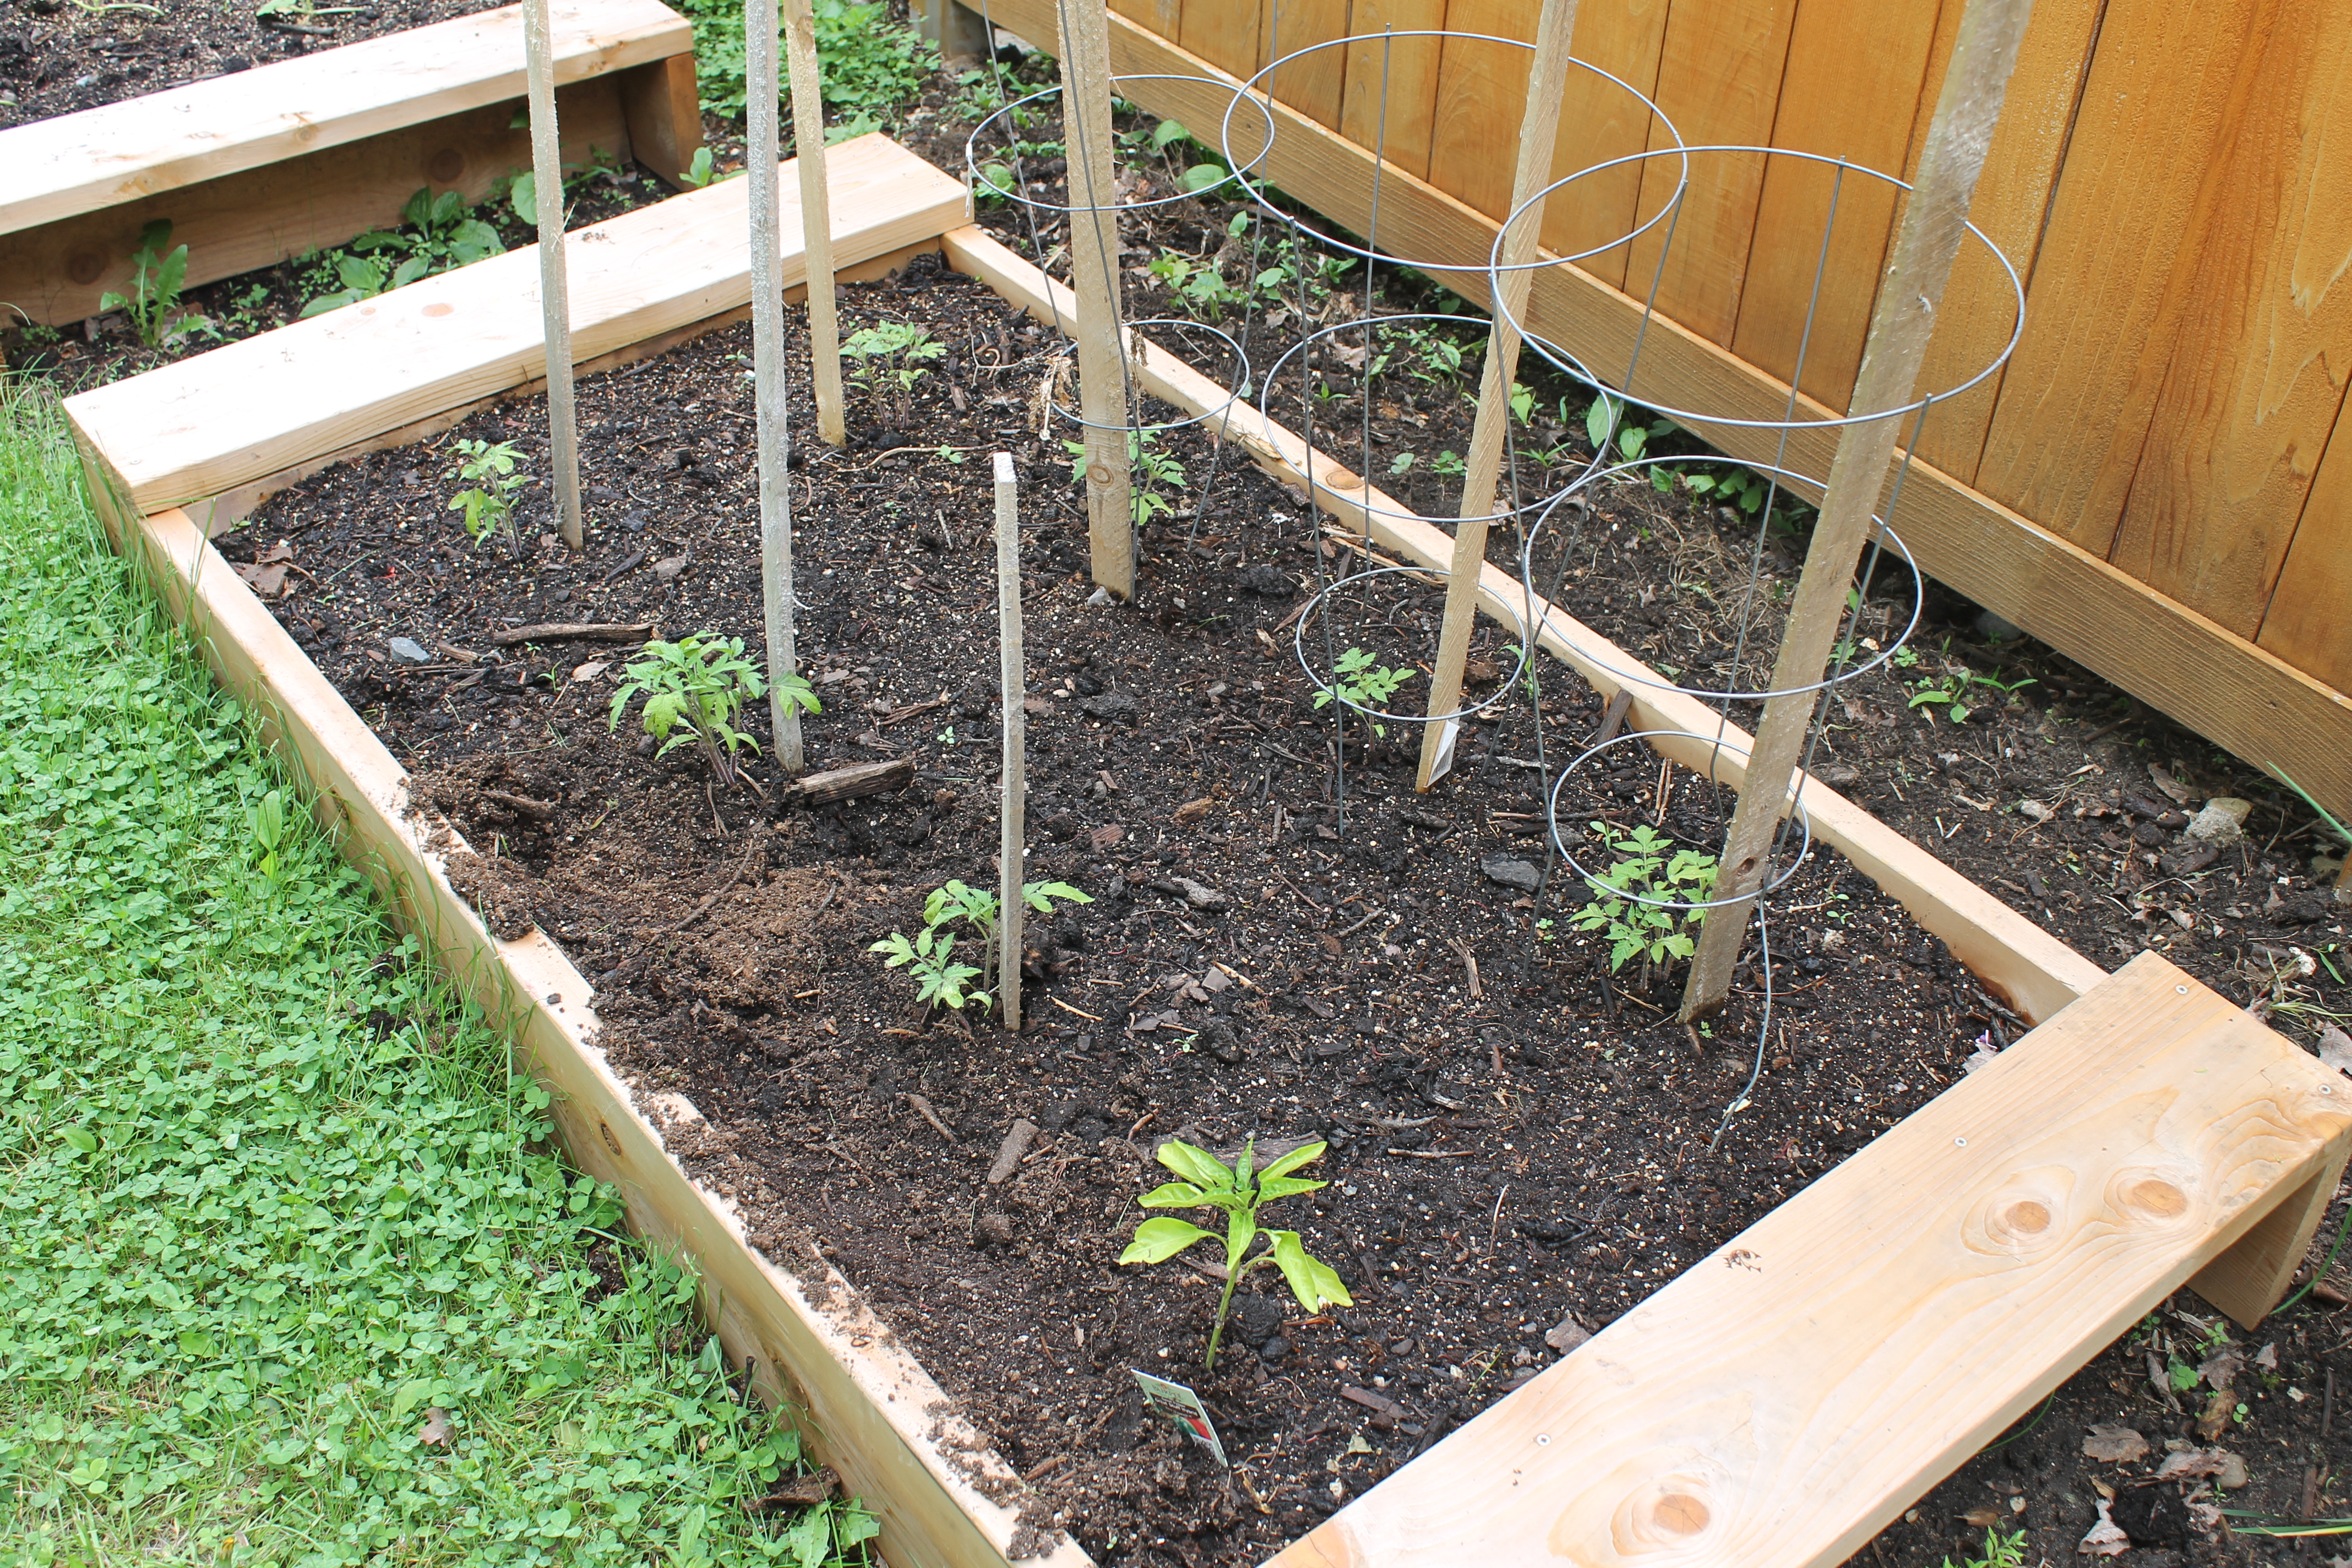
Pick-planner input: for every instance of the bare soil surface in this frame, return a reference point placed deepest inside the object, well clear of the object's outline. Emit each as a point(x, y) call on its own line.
point(1526, 1160)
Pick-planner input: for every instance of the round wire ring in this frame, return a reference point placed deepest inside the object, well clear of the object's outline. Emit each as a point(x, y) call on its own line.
point(1233, 399)
point(1641, 676)
point(1358, 498)
point(1551, 817)
point(972, 162)
point(1251, 91)
point(1298, 646)
point(1502, 304)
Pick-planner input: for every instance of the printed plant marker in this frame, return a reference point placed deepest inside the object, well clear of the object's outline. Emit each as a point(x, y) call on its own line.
point(1182, 1406)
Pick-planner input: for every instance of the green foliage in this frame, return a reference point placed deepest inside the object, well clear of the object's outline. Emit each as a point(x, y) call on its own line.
point(694, 689)
point(1363, 680)
point(1953, 691)
point(1197, 283)
point(488, 501)
point(2002, 1550)
point(892, 353)
point(439, 233)
point(1609, 420)
point(152, 305)
point(276, 1201)
point(928, 956)
point(871, 63)
point(1649, 865)
point(1149, 468)
point(702, 171)
point(1239, 1191)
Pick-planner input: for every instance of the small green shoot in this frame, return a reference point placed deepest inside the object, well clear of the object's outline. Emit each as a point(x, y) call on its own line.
point(2002, 1550)
point(1149, 470)
point(1649, 865)
point(438, 235)
point(1951, 692)
point(1363, 681)
point(1240, 1191)
point(940, 981)
point(694, 689)
point(152, 305)
point(1608, 421)
point(928, 955)
point(1198, 283)
point(893, 354)
point(488, 502)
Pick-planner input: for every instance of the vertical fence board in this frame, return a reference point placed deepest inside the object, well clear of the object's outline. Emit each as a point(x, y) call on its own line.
point(1719, 80)
point(1314, 85)
point(1979, 308)
point(1225, 33)
point(1165, 17)
point(1482, 92)
point(1600, 121)
point(2103, 308)
point(2265, 345)
point(1851, 89)
point(2310, 620)
point(1406, 68)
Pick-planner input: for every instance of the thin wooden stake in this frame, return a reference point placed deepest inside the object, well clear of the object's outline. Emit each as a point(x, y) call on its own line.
point(554, 291)
point(774, 436)
point(1974, 86)
point(1094, 276)
point(817, 216)
point(1538, 128)
point(1013, 678)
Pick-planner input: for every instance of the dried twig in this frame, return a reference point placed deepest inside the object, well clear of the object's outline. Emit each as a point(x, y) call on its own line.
point(923, 1107)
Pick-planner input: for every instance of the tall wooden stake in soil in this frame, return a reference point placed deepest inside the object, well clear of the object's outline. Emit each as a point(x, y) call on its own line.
point(1974, 86)
point(1094, 275)
point(760, 87)
point(1555, 29)
point(817, 216)
point(1012, 678)
point(554, 292)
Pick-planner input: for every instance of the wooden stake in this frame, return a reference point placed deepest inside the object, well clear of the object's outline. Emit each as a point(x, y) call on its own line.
point(1555, 29)
point(1974, 86)
point(1013, 678)
point(554, 292)
point(1094, 275)
point(817, 216)
point(774, 438)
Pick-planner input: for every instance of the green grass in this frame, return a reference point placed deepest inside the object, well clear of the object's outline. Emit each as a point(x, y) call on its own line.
point(271, 1202)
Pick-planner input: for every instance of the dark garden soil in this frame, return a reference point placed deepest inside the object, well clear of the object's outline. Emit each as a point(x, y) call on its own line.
point(61, 56)
point(1515, 1159)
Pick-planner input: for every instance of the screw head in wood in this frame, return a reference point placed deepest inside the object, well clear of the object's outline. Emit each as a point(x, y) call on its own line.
point(1959, 1143)
point(2181, 990)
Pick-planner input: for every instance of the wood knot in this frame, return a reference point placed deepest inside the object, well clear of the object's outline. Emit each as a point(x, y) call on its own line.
point(445, 166)
point(439, 307)
point(85, 267)
point(1679, 1513)
point(2028, 1218)
point(2155, 1196)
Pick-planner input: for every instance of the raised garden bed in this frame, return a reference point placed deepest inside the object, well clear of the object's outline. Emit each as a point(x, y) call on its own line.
point(870, 1400)
point(308, 153)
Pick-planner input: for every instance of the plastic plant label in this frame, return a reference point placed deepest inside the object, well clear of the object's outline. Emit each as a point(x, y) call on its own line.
point(1182, 1406)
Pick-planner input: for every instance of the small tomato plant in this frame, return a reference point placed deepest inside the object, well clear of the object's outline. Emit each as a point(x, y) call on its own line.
point(928, 956)
point(1648, 865)
point(488, 502)
point(1208, 1183)
point(893, 353)
point(694, 689)
point(1363, 681)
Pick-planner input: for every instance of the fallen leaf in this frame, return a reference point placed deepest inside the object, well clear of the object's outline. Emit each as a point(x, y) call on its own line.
point(2107, 1538)
point(1983, 1518)
point(1985, 1052)
point(669, 568)
point(2192, 1462)
point(2221, 1369)
point(1104, 837)
point(2336, 1048)
point(1191, 811)
point(2181, 792)
point(436, 1430)
point(268, 581)
point(2215, 1417)
point(2267, 1358)
point(591, 671)
point(2114, 1445)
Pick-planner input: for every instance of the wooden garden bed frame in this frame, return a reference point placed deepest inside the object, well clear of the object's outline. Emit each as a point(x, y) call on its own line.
point(2251, 1149)
point(265, 164)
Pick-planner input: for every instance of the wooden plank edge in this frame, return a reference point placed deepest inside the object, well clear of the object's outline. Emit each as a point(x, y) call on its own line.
point(874, 234)
point(216, 515)
point(871, 1411)
point(589, 54)
point(2032, 970)
point(2198, 670)
point(2280, 1206)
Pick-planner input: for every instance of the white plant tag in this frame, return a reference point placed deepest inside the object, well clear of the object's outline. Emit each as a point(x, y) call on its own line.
point(1182, 1406)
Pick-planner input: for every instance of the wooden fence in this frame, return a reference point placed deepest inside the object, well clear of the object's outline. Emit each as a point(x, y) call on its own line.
point(2150, 484)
